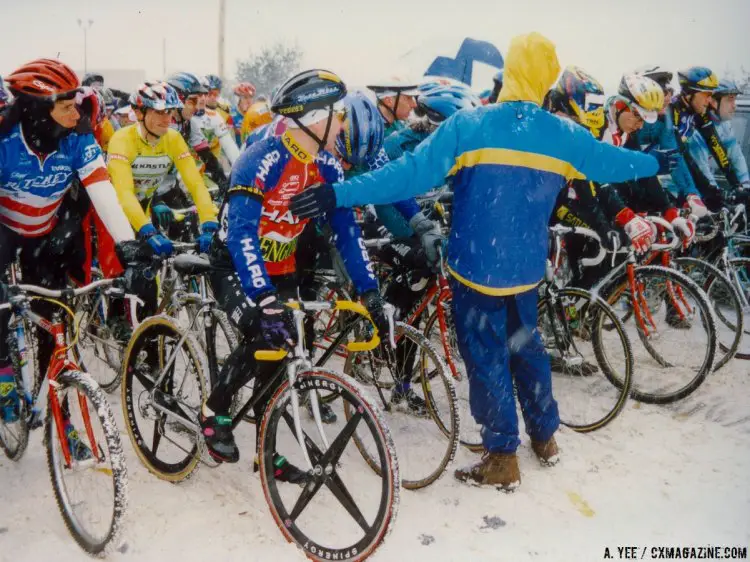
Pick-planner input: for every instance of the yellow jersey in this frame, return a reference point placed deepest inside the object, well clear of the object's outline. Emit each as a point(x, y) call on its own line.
point(257, 115)
point(137, 168)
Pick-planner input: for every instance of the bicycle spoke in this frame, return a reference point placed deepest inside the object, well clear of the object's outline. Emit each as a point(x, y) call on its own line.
point(308, 493)
point(341, 492)
point(156, 439)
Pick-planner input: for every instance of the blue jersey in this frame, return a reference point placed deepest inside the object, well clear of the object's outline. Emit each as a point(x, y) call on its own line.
point(32, 188)
point(237, 118)
point(260, 231)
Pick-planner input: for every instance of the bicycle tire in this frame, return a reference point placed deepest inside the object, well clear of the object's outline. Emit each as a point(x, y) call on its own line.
point(329, 475)
point(469, 437)
point(448, 425)
point(162, 327)
point(740, 278)
point(101, 410)
point(619, 286)
point(599, 313)
point(716, 285)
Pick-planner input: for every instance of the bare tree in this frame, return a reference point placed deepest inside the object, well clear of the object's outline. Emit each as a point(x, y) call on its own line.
point(270, 67)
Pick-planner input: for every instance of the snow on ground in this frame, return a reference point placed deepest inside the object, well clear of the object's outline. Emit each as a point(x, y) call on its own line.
point(675, 476)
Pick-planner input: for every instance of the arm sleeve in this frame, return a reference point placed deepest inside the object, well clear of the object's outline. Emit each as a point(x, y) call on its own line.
point(229, 147)
point(243, 243)
point(119, 168)
point(700, 155)
point(348, 240)
point(682, 179)
point(408, 208)
point(185, 164)
point(410, 175)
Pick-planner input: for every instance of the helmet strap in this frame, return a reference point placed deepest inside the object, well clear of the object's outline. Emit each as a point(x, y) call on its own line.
point(321, 142)
point(392, 112)
point(143, 121)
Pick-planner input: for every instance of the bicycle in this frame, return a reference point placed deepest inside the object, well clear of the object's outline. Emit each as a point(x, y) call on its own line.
point(570, 320)
point(164, 397)
point(64, 400)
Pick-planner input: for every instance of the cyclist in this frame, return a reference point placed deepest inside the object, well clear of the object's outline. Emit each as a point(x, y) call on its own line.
point(219, 136)
point(190, 91)
point(41, 154)
point(140, 158)
point(716, 146)
point(498, 240)
point(257, 115)
point(244, 92)
point(261, 247)
point(123, 114)
point(396, 99)
point(215, 102)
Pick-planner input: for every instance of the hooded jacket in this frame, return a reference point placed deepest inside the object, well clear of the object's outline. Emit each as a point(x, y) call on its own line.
point(508, 162)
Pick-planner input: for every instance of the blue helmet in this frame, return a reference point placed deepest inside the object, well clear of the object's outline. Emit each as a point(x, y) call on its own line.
point(214, 82)
point(441, 103)
point(697, 79)
point(186, 84)
point(727, 87)
point(361, 136)
point(159, 96)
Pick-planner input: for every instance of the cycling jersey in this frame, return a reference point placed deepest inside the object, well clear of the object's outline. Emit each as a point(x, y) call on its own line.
point(106, 130)
point(724, 152)
point(210, 129)
point(259, 231)
point(32, 188)
point(259, 114)
point(138, 167)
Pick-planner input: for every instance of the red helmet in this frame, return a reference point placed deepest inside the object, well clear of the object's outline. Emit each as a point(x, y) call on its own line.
point(45, 78)
point(244, 89)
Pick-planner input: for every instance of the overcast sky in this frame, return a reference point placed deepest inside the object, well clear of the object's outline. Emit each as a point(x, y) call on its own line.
point(362, 40)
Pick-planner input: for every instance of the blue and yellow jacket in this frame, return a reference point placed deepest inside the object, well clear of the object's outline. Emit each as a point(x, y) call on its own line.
point(508, 162)
point(706, 161)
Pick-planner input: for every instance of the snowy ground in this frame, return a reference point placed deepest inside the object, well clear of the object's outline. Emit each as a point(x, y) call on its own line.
point(674, 476)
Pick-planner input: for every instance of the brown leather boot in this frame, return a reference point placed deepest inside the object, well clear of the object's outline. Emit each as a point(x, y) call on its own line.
point(546, 451)
point(499, 470)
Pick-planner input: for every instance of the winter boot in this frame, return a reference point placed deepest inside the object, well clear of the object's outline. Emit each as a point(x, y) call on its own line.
point(546, 451)
point(499, 470)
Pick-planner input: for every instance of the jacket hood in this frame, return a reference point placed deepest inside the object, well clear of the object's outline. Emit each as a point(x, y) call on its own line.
point(531, 68)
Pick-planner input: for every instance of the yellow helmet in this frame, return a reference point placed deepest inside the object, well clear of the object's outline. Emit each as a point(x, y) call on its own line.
point(259, 114)
point(644, 94)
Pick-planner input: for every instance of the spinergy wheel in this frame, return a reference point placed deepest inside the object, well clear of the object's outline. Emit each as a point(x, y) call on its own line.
point(334, 515)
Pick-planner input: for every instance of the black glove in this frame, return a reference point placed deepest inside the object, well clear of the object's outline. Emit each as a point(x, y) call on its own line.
point(375, 305)
point(667, 158)
point(276, 322)
point(314, 201)
point(133, 252)
point(430, 235)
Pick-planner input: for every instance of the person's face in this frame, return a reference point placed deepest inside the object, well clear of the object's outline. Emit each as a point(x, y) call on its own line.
point(629, 122)
point(212, 100)
point(157, 122)
point(201, 104)
point(699, 102)
point(123, 119)
point(65, 113)
point(405, 105)
point(319, 130)
point(727, 107)
point(190, 106)
point(244, 103)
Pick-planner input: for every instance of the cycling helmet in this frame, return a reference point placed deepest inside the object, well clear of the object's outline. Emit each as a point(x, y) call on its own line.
point(159, 96)
point(44, 78)
point(697, 79)
point(361, 136)
point(393, 86)
point(186, 84)
point(642, 94)
point(437, 82)
point(658, 74)
point(727, 87)
point(441, 103)
point(91, 78)
point(244, 89)
point(214, 82)
point(581, 96)
point(309, 97)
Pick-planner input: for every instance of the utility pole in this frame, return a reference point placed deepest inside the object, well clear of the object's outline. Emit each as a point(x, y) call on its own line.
point(164, 57)
point(85, 25)
point(222, 25)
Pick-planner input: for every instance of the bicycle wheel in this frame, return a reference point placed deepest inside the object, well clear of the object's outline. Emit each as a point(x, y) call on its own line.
point(98, 349)
point(342, 512)
point(590, 357)
point(426, 442)
point(91, 489)
point(168, 447)
point(14, 436)
point(726, 303)
point(675, 324)
point(443, 337)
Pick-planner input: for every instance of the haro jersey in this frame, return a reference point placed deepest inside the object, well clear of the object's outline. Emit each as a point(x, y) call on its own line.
point(138, 168)
point(32, 189)
point(260, 231)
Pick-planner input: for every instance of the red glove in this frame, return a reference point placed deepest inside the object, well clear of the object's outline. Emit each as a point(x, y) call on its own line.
point(696, 206)
point(685, 228)
point(639, 230)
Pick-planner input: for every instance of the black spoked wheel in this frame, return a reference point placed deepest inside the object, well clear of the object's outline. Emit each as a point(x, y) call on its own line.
point(590, 357)
point(90, 488)
point(158, 418)
point(342, 511)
